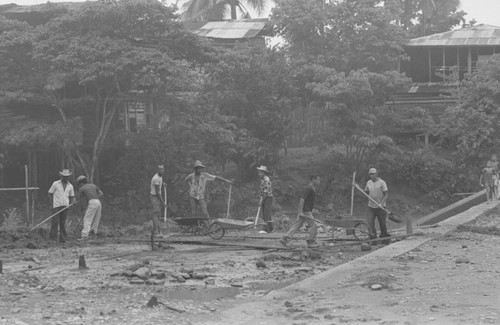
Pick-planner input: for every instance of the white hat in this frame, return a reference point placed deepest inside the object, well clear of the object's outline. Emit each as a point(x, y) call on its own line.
point(65, 172)
point(198, 163)
point(263, 169)
point(80, 178)
point(372, 171)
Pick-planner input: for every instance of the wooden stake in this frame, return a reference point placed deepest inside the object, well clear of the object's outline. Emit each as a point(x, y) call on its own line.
point(229, 200)
point(352, 192)
point(27, 195)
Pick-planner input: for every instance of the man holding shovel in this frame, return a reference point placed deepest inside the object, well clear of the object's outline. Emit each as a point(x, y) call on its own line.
point(61, 195)
point(306, 205)
point(89, 197)
point(377, 189)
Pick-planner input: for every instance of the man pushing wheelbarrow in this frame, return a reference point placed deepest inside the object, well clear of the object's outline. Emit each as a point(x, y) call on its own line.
point(306, 205)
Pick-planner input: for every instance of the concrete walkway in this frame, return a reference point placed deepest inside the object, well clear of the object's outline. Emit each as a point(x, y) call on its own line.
point(412, 274)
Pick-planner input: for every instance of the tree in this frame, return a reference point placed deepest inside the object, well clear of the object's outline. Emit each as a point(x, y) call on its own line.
point(245, 100)
point(199, 10)
point(425, 17)
point(86, 63)
point(472, 127)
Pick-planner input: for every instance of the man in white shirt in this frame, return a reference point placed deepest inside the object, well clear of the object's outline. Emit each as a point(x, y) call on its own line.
point(157, 199)
point(377, 189)
point(61, 195)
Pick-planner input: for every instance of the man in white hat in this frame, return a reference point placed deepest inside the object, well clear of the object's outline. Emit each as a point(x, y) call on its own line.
point(89, 198)
point(197, 187)
point(157, 199)
point(266, 197)
point(377, 189)
point(61, 195)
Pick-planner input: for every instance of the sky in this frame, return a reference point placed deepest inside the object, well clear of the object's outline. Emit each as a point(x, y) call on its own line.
point(483, 11)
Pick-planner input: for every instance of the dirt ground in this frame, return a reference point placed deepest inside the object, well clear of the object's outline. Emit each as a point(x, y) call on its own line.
point(199, 284)
point(43, 284)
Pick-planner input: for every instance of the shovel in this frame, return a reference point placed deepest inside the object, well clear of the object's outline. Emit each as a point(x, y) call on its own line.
point(391, 215)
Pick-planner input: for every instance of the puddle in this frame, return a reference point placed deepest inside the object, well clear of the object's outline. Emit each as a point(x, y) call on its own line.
point(209, 294)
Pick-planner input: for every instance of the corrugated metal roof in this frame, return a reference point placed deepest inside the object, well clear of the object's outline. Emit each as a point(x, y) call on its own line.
point(480, 35)
point(233, 29)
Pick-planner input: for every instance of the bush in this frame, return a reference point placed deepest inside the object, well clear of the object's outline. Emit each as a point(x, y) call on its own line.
point(12, 220)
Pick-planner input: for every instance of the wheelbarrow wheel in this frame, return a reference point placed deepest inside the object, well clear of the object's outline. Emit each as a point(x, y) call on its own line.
point(216, 231)
point(361, 231)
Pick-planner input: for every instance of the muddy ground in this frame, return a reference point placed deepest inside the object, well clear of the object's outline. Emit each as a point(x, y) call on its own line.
point(42, 282)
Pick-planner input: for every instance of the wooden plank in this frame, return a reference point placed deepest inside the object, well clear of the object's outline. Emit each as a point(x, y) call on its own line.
point(211, 243)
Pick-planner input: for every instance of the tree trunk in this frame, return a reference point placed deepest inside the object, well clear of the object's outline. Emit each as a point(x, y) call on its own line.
point(233, 9)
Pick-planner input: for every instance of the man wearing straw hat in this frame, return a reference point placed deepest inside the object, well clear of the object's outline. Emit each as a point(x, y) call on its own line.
point(89, 197)
point(266, 197)
point(61, 195)
point(197, 186)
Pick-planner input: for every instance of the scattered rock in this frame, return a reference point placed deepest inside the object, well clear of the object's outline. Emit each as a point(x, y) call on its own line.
point(376, 287)
point(366, 247)
point(288, 304)
point(260, 264)
point(462, 260)
point(210, 281)
point(153, 302)
point(180, 279)
point(143, 272)
point(199, 276)
point(136, 281)
point(155, 282)
point(31, 245)
point(464, 246)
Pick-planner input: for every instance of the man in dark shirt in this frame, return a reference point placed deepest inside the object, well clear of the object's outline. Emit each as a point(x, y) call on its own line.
point(306, 205)
point(89, 197)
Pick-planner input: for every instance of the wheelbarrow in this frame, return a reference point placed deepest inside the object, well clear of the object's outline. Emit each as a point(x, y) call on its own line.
point(357, 228)
point(219, 227)
point(192, 226)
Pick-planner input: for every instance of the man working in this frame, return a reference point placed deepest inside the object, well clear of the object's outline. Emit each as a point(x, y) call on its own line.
point(89, 197)
point(157, 200)
point(306, 205)
point(487, 180)
point(197, 185)
point(376, 188)
point(61, 195)
point(266, 197)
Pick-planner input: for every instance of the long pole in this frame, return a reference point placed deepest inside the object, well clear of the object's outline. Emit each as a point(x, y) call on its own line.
point(165, 200)
point(229, 200)
point(27, 195)
point(352, 192)
point(50, 217)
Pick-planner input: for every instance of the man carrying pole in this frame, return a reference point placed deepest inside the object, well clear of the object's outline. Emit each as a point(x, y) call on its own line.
point(306, 205)
point(61, 195)
point(89, 197)
point(197, 186)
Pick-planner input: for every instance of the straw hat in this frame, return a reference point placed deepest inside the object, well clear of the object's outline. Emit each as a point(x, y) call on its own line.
point(198, 163)
point(372, 171)
point(263, 169)
point(80, 178)
point(65, 172)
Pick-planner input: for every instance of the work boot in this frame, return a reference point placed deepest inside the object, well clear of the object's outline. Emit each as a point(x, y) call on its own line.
point(284, 241)
point(311, 243)
point(269, 227)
